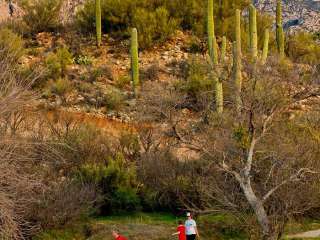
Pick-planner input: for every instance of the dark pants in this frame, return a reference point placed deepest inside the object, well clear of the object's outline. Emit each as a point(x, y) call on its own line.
point(191, 237)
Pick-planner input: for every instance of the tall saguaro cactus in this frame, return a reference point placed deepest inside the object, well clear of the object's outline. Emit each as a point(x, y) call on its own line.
point(265, 46)
point(134, 60)
point(279, 29)
point(218, 83)
point(253, 42)
point(237, 64)
point(98, 22)
point(212, 42)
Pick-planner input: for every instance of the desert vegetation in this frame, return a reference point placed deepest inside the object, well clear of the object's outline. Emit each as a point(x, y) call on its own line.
point(147, 109)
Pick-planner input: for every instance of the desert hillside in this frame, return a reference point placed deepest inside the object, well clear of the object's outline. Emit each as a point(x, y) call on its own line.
point(133, 117)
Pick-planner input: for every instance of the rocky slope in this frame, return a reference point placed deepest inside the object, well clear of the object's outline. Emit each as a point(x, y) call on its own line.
point(297, 14)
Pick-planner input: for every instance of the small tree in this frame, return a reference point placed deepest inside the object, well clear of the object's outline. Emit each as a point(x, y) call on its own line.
point(261, 161)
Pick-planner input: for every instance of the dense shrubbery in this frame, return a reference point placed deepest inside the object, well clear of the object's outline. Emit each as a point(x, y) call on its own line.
point(11, 44)
point(116, 181)
point(57, 62)
point(303, 48)
point(157, 20)
point(41, 15)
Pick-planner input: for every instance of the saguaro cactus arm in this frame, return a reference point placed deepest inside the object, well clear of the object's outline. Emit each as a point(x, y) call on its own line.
point(265, 46)
point(212, 42)
point(237, 64)
point(134, 59)
point(253, 31)
point(98, 21)
point(279, 29)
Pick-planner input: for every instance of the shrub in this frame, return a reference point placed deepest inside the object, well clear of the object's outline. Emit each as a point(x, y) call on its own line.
point(57, 62)
point(303, 48)
point(196, 78)
point(41, 15)
point(65, 202)
point(83, 60)
point(11, 44)
point(61, 86)
point(152, 27)
point(122, 81)
point(156, 20)
point(115, 15)
point(53, 66)
point(113, 99)
point(195, 45)
point(152, 72)
point(116, 180)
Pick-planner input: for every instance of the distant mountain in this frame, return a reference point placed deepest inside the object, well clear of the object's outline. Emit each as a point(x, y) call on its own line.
point(297, 14)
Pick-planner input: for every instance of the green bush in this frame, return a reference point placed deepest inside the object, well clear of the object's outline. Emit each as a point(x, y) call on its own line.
point(83, 60)
point(156, 20)
point(303, 48)
point(154, 26)
point(41, 15)
point(122, 81)
point(11, 45)
point(117, 181)
point(196, 77)
point(57, 62)
point(113, 99)
point(61, 86)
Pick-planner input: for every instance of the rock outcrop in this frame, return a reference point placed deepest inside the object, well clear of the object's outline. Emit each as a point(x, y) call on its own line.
point(297, 14)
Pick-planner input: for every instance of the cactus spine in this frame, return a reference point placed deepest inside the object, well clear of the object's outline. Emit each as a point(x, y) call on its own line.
point(279, 29)
point(98, 22)
point(134, 59)
point(253, 42)
point(212, 42)
point(265, 46)
point(237, 61)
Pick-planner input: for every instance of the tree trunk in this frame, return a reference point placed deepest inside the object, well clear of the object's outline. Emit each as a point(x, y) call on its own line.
point(258, 209)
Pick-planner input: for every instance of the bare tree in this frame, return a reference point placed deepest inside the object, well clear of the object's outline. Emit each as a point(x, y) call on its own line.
point(260, 160)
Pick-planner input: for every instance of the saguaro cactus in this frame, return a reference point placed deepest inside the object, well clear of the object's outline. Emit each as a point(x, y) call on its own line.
point(223, 49)
point(237, 64)
point(253, 42)
point(212, 42)
point(134, 59)
point(219, 96)
point(265, 46)
point(98, 22)
point(279, 29)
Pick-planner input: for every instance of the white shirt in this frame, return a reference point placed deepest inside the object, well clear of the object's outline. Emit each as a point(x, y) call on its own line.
point(190, 227)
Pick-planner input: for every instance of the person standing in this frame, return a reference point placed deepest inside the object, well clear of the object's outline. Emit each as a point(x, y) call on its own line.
point(191, 228)
point(181, 231)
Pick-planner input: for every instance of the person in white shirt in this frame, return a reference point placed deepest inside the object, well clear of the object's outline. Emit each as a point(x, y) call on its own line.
point(191, 228)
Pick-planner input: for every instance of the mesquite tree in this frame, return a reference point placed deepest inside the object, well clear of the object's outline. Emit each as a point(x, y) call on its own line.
point(261, 163)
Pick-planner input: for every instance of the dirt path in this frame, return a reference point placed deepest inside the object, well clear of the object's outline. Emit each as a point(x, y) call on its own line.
point(309, 234)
